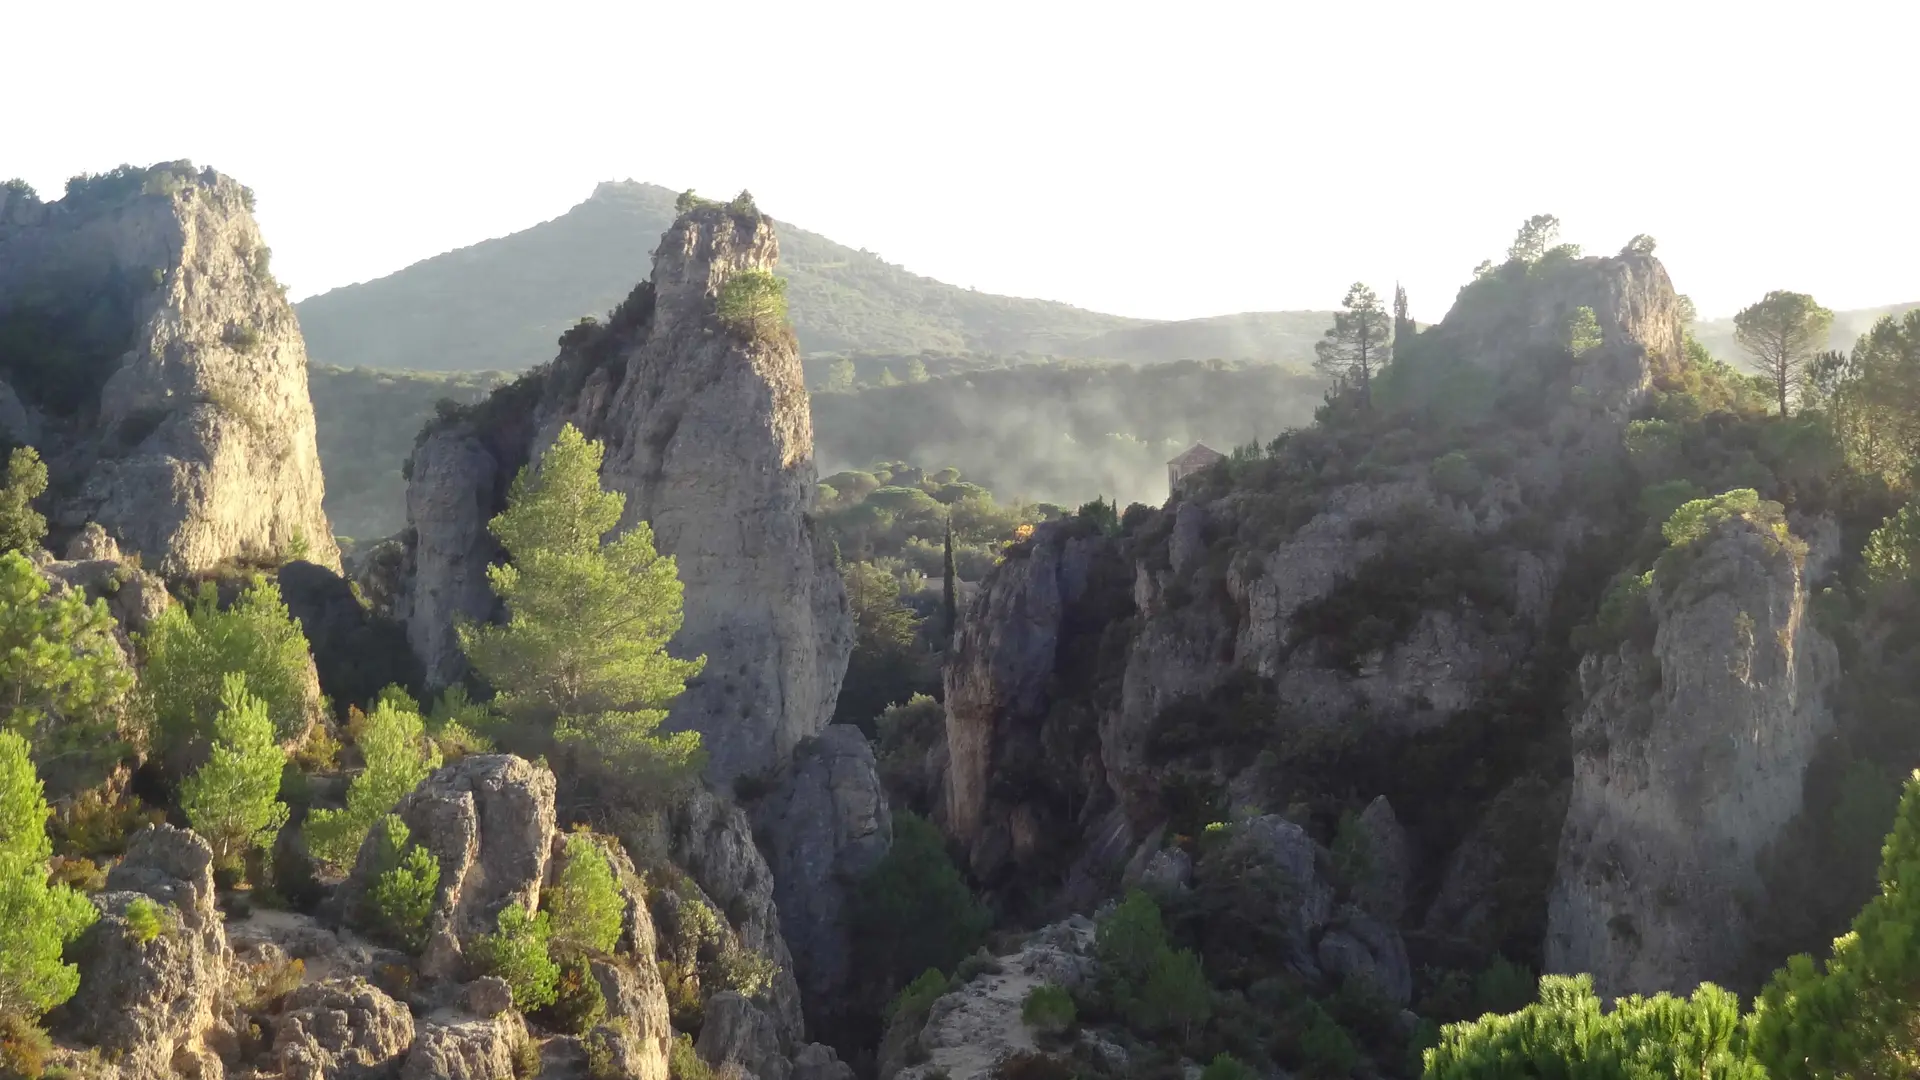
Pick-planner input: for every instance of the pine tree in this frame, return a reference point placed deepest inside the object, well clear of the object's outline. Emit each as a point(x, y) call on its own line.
point(394, 746)
point(1781, 334)
point(190, 649)
point(37, 918)
point(233, 800)
point(1355, 346)
point(62, 676)
point(753, 302)
point(1403, 324)
point(949, 602)
point(21, 527)
point(585, 902)
point(582, 657)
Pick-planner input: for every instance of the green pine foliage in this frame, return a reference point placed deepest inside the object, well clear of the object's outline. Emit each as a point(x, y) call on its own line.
point(62, 676)
point(585, 902)
point(190, 649)
point(753, 303)
point(1854, 1015)
point(146, 919)
point(1850, 1016)
point(582, 657)
point(1156, 987)
point(1048, 1010)
point(1892, 548)
point(37, 918)
point(518, 953)
point(914, 910)
point(1567, 1033)
point(1583, 331)
point(393, 744)
point(402, 894)
point(1225, 1066)
point(233, 800)
point(21, 526)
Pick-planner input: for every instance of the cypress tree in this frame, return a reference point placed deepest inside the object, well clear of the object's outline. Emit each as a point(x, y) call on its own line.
point(1403, 328)
point(950, 607)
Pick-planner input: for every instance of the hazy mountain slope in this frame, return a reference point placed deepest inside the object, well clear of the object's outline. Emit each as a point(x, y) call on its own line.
point(503, 303)
point(1284, 337)
point(1717, 334)
point(367, 422)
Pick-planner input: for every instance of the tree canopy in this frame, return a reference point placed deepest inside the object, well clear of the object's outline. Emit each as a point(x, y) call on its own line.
point(582, 657)
point(1780, 335)
point(37, 918)
point(1356, 345)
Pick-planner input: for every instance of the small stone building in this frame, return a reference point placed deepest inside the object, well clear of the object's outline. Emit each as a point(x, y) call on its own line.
point(1192, 460)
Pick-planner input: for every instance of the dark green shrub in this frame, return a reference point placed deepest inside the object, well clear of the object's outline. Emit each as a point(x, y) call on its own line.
point(585, 902)
point(146, 920)
point(21, 526)
point(402, 894)
point(919, 995)
point(683, 1063)
point(578, 1003)
point(1048, 1010)
point(517, 952)
point(1225, 1066)
point(526, 1059)
point(976, 965)
point(914, 910)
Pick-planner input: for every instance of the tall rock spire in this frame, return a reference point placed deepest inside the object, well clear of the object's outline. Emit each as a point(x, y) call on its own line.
point(146, 349)
point(710, 437)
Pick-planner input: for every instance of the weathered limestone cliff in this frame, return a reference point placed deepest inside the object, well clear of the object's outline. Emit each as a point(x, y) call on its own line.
point(148, 353)
point(1352, 591)
point(708, 435)
point(1690, 750)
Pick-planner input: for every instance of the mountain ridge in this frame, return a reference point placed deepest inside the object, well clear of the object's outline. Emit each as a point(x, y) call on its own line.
point(502, 302)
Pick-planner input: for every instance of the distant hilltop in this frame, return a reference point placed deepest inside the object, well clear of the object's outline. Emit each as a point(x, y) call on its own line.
point(502, 303)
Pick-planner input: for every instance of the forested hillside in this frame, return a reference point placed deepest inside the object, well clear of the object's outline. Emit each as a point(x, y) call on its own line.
point(1064, 433)
point(366, 422)
point(1058, 432)
point(501, 303)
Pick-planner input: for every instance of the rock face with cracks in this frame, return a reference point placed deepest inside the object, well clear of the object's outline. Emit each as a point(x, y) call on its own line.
point(1690, 751)
point(157, 366)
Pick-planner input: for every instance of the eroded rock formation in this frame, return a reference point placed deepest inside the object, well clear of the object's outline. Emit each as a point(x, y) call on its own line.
point(1283, 603)
point(151, 357)
point(709, 437)
point(1689, 754)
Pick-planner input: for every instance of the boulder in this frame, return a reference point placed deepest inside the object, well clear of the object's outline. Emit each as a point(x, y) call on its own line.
point(341, 1029)
point(1361, 948)
point(152, 1000)
point(825, 828)
point(489, 820)
point(1382, 885)
point(488, 996)
point(738, 1031)
point(465, 1050)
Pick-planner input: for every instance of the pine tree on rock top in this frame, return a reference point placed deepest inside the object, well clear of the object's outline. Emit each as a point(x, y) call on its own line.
point(582, 657)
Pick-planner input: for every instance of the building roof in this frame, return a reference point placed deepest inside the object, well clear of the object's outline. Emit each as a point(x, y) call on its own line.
point(1198, 455)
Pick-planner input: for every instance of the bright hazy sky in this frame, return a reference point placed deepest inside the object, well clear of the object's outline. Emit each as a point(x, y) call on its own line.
point(1158, 159)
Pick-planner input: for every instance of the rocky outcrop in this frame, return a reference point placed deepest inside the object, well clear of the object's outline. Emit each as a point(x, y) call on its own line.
point(974, 1027)
point(168, 388)
point(1353, 590)
point(1690, 752)
point(712, 841)
point(151, 982)
point(824, 829)
point(708, 436)
point(465, 1049)
point(738, 1032)
point(489, 820)
point(341, 1029)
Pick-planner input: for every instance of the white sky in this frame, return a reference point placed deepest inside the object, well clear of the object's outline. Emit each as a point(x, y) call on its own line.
point(1160, 159)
